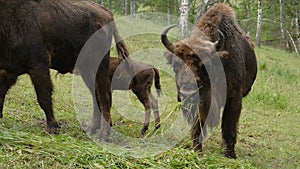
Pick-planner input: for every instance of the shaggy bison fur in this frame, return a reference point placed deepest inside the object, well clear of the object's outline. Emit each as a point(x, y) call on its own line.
point(216, 39)
point(36, 35)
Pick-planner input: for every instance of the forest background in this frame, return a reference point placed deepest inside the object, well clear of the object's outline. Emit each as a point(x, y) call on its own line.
point(271, 22)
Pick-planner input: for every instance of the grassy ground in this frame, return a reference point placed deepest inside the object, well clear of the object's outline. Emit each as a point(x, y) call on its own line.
point(268, 130)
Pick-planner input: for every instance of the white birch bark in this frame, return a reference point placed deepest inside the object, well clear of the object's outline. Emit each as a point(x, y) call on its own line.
point(259, 23)
point(169, 12)
point(202, 8)
point(293, 42)
point(184, 16)
point(297, 28)
point(125, 7)
point(282, 25)
point(248, 16)
point(132, 7)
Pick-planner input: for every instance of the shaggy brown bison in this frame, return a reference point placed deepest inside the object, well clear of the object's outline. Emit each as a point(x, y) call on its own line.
point(36, 35)
point(128, 74)
point(217, 37)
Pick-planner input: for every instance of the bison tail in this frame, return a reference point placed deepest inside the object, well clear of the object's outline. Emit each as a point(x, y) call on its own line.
point(122, 49)
point(157, 81)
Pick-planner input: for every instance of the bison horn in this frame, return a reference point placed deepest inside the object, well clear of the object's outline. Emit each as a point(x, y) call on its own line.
point(164, 39)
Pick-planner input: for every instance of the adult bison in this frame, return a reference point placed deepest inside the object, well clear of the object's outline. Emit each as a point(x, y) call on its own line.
point(216, 39)
point(36, 35)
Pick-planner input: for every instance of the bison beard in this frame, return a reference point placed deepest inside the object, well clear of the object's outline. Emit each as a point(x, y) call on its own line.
point(235, 51)
point(38, 35)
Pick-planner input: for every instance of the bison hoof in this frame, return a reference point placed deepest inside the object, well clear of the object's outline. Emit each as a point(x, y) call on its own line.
point(53, 128)
point(93, 129)
point(105, 140)
point(157, 126)
point(143, 131)
point(230, 154)
point(198, 147)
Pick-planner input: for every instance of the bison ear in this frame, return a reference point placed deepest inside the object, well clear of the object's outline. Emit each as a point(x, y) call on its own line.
point(219, 44)
point(223, 55)
point(169, 56)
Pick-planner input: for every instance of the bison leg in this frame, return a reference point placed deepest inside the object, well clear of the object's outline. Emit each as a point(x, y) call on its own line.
point(196, 134)
point(154, 105)
point(87, 77)
point(40, 77)
point(6, 81)
point(3, 91)
point(104, 99)
point(229, 125)
point(104, 102)
point(145, 100)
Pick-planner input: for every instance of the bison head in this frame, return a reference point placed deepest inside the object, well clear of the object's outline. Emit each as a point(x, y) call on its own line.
point(197, 66)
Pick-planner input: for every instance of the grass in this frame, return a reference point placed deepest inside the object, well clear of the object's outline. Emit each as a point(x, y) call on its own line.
point(268, 130)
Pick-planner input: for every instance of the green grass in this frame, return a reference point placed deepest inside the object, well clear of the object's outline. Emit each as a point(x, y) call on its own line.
point(268, 130)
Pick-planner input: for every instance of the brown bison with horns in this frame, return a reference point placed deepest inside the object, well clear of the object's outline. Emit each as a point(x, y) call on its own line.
point(36, 35)
point(216, 39)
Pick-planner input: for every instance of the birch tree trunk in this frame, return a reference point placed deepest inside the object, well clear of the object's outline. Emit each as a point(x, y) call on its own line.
point(102, 2)
point(297, 27)
point(169, 12)
point(184, 16)
point(248, 16)
point(275, 9)
point(259, 23)
point(293, 42)
point(132, 7)
point(125, 7)
point(202, 8)
point(282, 25)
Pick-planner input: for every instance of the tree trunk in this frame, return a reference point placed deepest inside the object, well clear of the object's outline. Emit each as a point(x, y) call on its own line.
point(169, 12)
point(282, 25)
point(297, 27)
point(248, 16)
point(202, 8)
point(184, 16)
point(102, 2)
point(132, 7)
point(275, 10)
point(125, 7)
point(259, 23)
point(293, 42)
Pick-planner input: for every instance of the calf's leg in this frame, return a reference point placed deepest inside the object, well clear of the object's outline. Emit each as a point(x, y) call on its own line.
point(196, 134)
point(154, 105)
point(144, 97)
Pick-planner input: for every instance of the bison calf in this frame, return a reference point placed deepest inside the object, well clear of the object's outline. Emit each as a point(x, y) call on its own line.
point(137, 76)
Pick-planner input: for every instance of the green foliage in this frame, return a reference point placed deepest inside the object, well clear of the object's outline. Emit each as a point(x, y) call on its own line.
point(271, 21)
